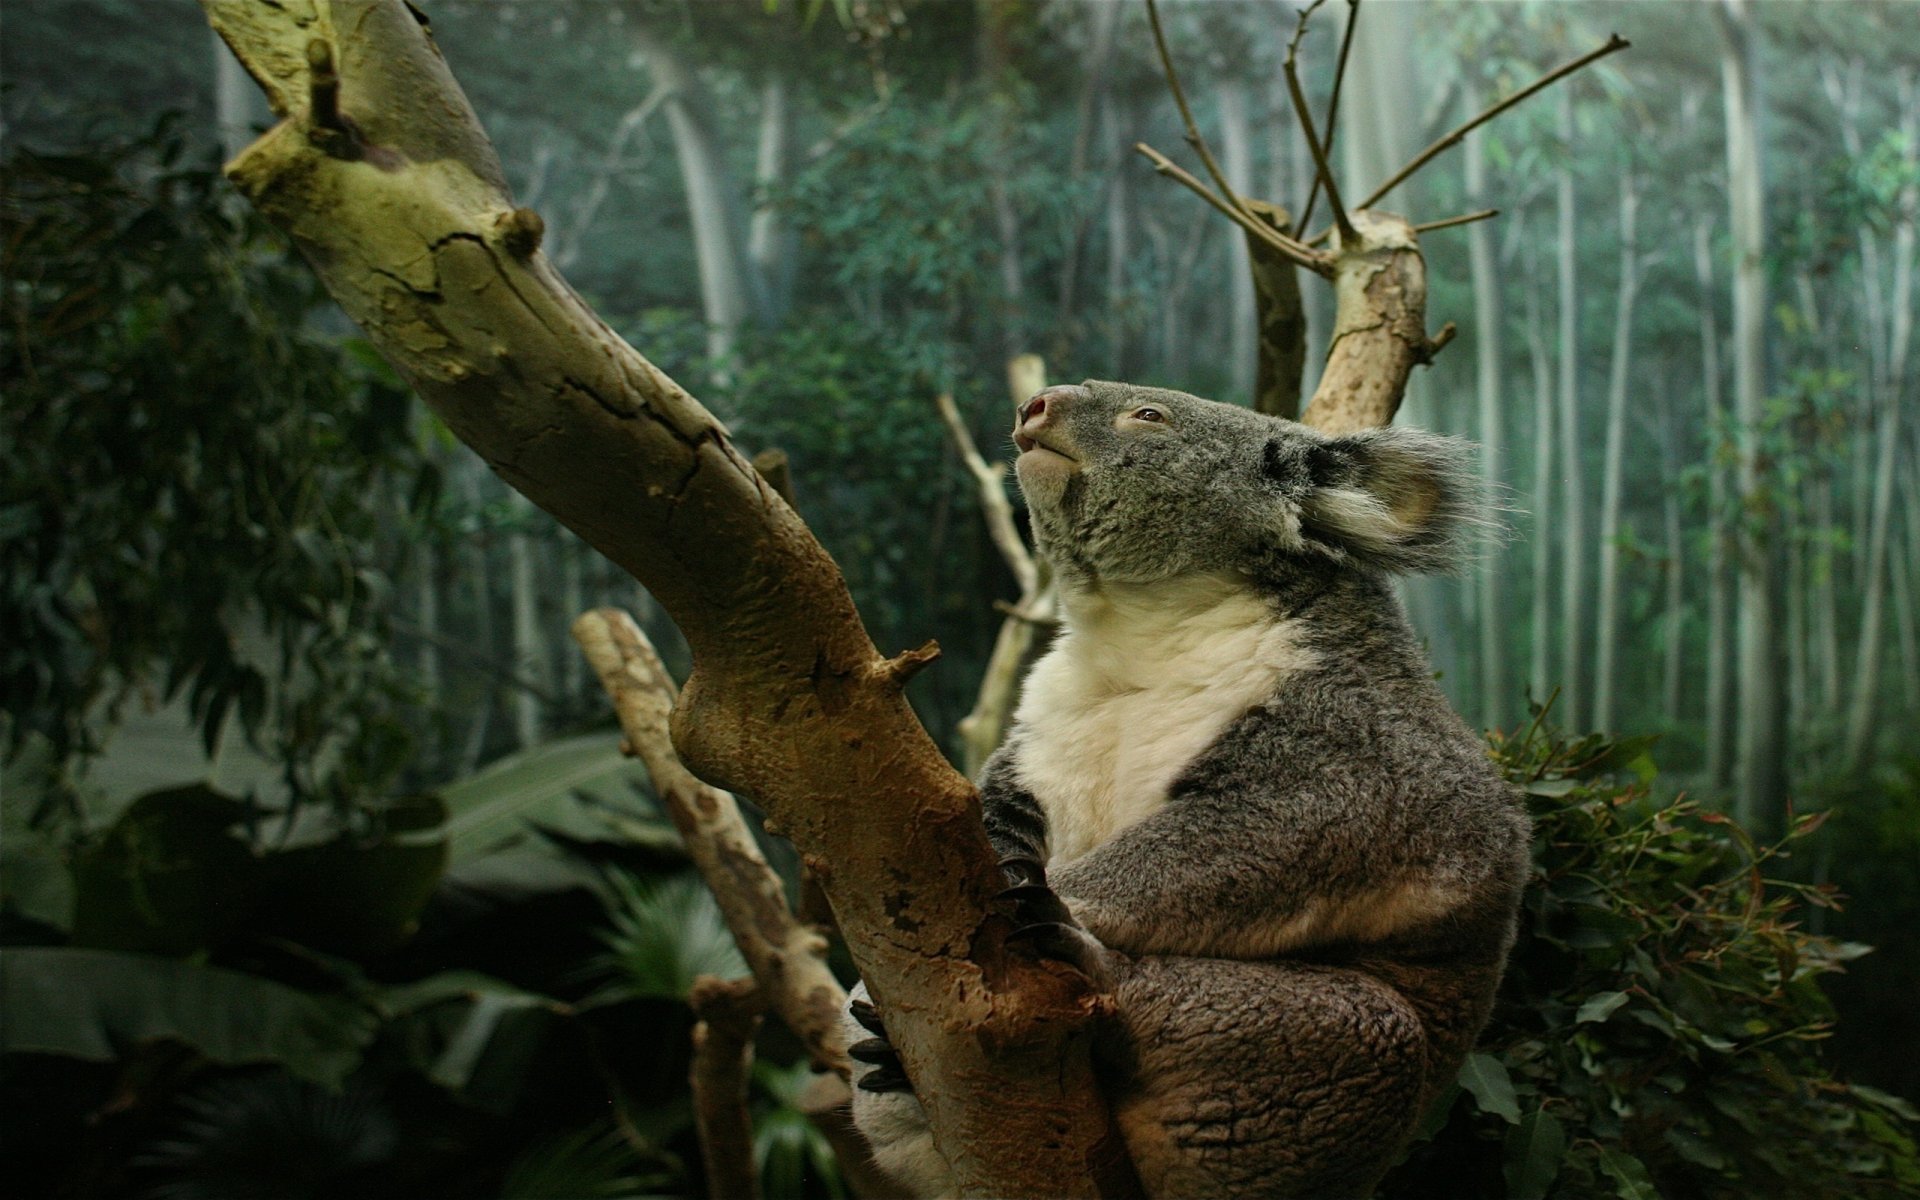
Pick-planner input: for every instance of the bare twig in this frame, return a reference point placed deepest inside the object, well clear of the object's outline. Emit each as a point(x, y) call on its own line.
point(1484, 214)
point(1303, 255)
point(994, 505)
point(729, 1015)
point(1614, 42)
point(1194, 139)
point(1333, 102)
point(787, 958)
point(1314, 144)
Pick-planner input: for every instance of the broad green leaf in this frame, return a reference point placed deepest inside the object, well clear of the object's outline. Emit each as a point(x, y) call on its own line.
point(93, 1004)
point(1629, 1174)
point(1600, 1007)
point(491, 806)
point(471, 1033)
point(1532, 1155)
point(1486, 1077)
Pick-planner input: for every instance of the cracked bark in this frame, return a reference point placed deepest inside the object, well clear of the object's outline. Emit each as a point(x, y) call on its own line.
point(402, 209)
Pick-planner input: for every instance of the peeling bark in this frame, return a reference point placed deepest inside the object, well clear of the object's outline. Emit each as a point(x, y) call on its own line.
point(1379, 329)
point(382, 176)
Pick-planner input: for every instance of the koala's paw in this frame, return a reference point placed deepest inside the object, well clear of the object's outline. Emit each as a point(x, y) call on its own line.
point(1043, 922)
point(886, 1073)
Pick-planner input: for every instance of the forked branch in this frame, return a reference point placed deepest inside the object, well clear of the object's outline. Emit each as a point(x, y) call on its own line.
point(1323, 174)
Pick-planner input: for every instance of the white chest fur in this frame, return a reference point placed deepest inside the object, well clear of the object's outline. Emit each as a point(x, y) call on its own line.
point(1142, 680)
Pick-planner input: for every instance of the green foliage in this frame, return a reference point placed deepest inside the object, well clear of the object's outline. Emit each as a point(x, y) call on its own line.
point(94, 1004)
point(663, 935)
point(197, 478)
point(594, 1163)
point(1659, 1030)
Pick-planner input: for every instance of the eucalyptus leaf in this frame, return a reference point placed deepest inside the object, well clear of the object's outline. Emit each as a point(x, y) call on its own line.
point(1532, 1157)
point(1486, 1078)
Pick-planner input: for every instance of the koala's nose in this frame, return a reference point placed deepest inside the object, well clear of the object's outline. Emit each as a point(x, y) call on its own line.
point(1046, 408)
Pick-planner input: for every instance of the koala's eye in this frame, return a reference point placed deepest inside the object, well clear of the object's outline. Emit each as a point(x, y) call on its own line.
point(1148, 414)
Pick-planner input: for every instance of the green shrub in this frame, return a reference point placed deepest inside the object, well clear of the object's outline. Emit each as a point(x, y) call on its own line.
point(1659, 1030)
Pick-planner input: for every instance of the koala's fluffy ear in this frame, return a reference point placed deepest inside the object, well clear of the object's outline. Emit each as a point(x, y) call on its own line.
point(1398, 500)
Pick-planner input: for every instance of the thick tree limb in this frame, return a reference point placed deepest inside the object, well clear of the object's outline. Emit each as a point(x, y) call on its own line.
point(1379, 330)
point(404, 213)
point(728, 1012)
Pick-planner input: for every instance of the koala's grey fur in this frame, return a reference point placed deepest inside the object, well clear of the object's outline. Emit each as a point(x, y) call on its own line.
point(1295, 867)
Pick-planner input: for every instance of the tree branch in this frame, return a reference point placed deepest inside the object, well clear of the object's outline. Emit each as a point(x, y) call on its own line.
point(1485, 214)
point(1323, 173)
point(983, 727)
point(1333, 102)
point(406, 219)
point(995, 508)
point(787, 959)
point(1614, 42)
point(1282, 331)
point(728, 1013)
point(1311, 259)
point(1194, 139)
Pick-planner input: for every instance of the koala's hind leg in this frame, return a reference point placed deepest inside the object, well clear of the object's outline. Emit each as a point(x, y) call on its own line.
point(1272, 1079)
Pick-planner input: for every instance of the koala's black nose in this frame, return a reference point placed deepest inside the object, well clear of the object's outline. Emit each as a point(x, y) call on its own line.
point(1045, 407)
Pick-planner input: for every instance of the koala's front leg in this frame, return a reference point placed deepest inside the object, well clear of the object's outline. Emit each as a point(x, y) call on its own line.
point(1016, 824)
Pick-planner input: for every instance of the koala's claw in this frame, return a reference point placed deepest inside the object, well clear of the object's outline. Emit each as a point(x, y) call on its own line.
point(1036, 904)
point(1023, 870)
point(1064, 941)
point(868, 1016)
point(886, 1075)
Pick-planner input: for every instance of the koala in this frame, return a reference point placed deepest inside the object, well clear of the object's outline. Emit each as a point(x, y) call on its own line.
point(1233, 795)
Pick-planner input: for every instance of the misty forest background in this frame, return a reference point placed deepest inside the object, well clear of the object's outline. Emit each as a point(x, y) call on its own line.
point(294, 724)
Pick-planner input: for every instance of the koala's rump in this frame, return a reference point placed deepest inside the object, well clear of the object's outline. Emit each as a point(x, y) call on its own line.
point(1274, 1078)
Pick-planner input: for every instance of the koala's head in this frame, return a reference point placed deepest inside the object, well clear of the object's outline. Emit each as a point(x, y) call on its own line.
point(1133, 484)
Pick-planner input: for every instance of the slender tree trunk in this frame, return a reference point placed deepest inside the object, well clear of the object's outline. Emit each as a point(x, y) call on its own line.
point(1540, 680)
point(573, 602)
point(1607, 620)
point(1762, 746)
point(480, 577)
point(1236, 159)
point(1672, 675)
point(1573, 581)
point(1119, 256)
point(770, 241)
point(1719, 723)
point(1495, 688)
point(529, 647)
point(1825, 600)
point(728, 293)
point(1887, 436)
point(1906, 560)
point(994, 63)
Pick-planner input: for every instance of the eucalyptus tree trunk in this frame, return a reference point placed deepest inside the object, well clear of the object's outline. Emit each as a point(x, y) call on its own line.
point(1719, 721)
point(479, 577)
point(1607, 617)
point(1493, 625)
point(993, 50)
point(770, 240)
point(1674, 644)
point(729, 295)
point(1762, 742)
point(1573, 563)
point(1887, 437)
point(1119, 216)
point(1236, 159)
point(1540, 680)
point(529, 630)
